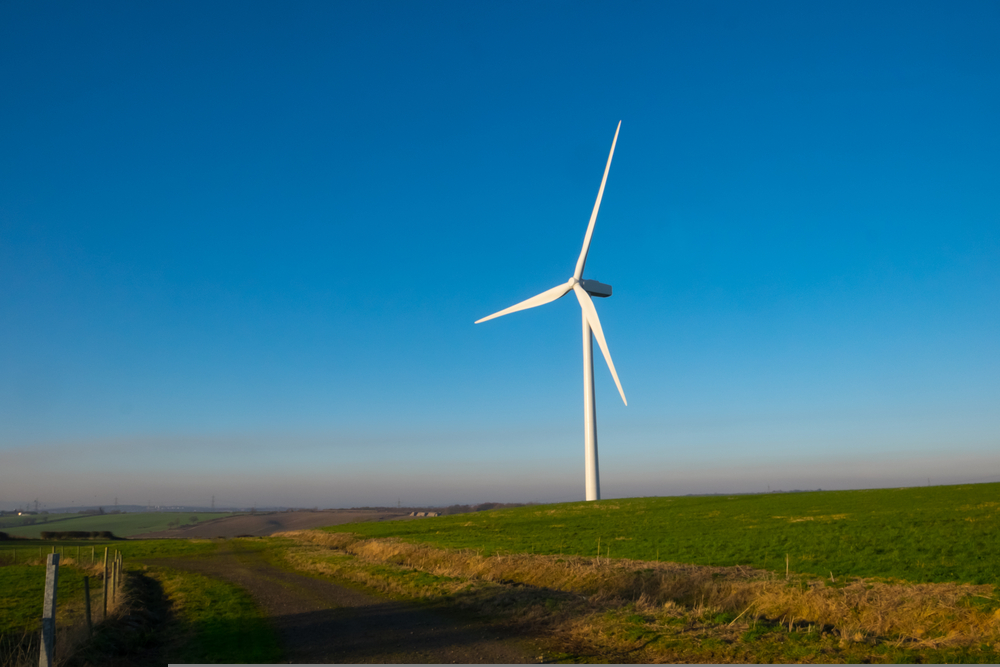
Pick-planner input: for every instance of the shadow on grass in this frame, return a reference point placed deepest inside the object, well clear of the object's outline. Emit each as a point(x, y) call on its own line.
point(133, 634)
point(390, 631)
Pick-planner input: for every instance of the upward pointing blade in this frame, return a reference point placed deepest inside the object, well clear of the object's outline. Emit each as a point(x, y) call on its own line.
point(545, 297)
point(578, 274)
point(595, 325)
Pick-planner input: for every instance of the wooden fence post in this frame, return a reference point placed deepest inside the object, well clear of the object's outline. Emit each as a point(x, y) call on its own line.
point(86, 595)
point(47, 651)
point(104, 599)
point(117, 579)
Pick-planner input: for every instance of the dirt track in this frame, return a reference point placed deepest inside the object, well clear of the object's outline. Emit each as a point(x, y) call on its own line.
point(260, 525)
point(322, 622)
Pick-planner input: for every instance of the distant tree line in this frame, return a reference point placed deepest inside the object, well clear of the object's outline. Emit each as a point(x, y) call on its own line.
point(78, 535)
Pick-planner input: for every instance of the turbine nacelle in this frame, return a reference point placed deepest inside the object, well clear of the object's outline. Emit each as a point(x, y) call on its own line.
point(594, 288)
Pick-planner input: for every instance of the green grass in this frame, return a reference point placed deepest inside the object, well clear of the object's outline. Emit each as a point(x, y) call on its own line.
point(162, 548)
point(924, 534)
point(217, 621)
point(23, 586)
point(122, 525)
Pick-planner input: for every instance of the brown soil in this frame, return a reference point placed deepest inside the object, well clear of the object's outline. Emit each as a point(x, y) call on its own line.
point(260, 525)
point(320, 621)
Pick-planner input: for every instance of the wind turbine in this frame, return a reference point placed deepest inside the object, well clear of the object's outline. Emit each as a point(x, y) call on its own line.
point(584, 289)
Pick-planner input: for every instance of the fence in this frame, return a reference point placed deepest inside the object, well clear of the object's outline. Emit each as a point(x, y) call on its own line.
point(16, 555)
point(112, 576)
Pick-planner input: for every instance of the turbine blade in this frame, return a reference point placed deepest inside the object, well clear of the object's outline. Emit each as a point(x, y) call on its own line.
point(595, 325)
point(578, 274)
point(538, 300)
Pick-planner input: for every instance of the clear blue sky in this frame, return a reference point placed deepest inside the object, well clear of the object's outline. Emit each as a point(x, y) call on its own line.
point(242, 247)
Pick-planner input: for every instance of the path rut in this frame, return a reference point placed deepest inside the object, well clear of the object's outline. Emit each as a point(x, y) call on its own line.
point(320, 621)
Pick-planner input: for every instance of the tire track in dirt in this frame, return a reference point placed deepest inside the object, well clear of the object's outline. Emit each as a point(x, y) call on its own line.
point(320, 621)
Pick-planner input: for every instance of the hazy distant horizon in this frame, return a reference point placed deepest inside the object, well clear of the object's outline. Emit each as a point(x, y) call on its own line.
point(945, 480)
point(411, 484)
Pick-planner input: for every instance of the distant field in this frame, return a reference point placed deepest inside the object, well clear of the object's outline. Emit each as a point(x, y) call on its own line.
point(7, 522)
point(270, 523)
point(122, 525)
point(926, 534)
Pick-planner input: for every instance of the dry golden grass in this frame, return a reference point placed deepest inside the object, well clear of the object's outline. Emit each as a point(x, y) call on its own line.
point(909, 615)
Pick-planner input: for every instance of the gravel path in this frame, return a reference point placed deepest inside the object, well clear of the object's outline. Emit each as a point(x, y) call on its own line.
point(322, 622)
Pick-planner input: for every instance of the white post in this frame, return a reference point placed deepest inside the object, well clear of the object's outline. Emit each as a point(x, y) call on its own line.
point(47, 652)
point(590, 415)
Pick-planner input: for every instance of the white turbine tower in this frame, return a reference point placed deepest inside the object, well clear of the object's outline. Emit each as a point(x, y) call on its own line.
point(584, 289)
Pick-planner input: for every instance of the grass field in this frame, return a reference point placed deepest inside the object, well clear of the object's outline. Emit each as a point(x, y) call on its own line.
point(35, 549)
point(122, 525)
point(23, 585)
point(925, 534)
point(7, 522)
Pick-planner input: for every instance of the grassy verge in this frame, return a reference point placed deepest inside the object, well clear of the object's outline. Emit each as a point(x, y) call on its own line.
point(171, 616)
point(629, 611)
point(213, 621)
point(929, 534)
